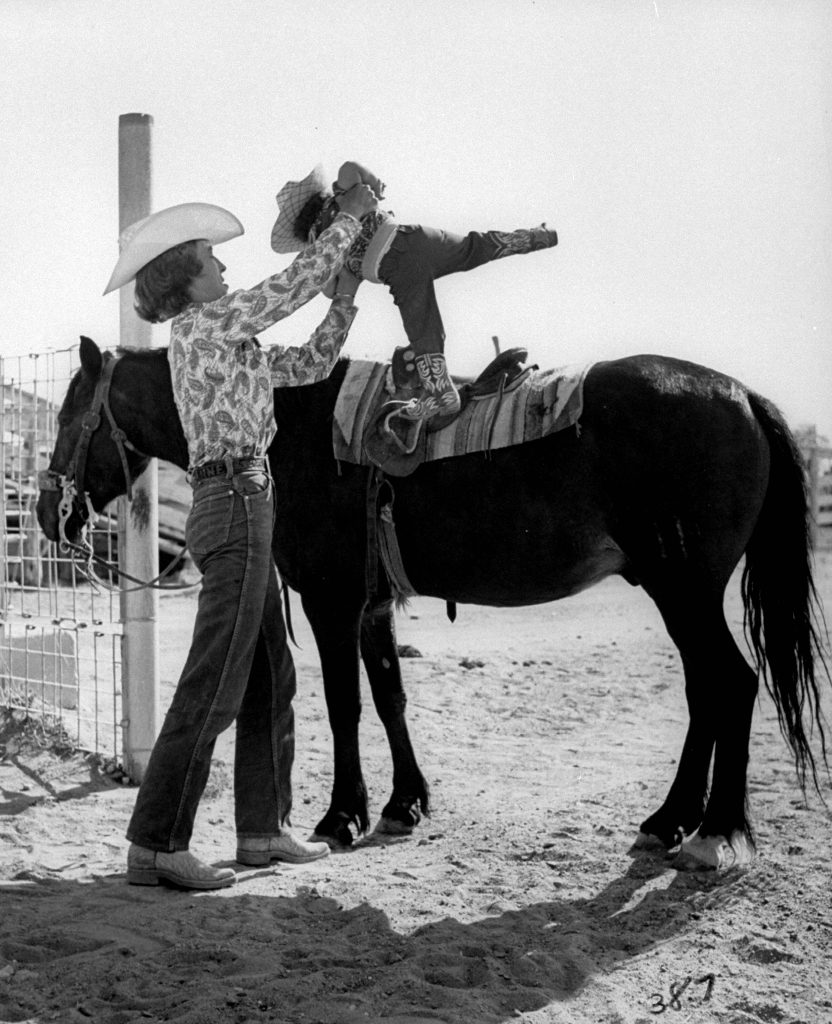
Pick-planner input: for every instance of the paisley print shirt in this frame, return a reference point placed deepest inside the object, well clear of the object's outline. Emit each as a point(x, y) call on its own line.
point(223, 379)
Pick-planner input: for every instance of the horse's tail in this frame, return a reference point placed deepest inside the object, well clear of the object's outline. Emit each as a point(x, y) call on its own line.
point(783, 617)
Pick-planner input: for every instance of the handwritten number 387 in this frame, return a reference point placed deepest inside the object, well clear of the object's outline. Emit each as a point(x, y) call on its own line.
point(658, 1004)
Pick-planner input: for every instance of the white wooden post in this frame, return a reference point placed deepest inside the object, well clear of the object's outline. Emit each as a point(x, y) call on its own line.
point(138, 547)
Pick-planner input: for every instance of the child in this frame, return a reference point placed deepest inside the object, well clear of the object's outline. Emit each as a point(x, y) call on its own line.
point(408, 259)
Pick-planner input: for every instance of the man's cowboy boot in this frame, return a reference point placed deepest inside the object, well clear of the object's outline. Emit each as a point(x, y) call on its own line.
point(435, 403)
point(149, 867)
point(513, 243)
point(259, 850)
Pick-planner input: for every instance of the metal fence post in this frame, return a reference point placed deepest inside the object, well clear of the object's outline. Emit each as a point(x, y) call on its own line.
point(139, 521)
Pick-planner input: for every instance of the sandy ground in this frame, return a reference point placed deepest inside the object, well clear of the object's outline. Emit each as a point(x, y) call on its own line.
point(547, 734)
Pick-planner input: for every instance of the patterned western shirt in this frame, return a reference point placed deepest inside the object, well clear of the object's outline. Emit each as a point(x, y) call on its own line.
point(223, 379)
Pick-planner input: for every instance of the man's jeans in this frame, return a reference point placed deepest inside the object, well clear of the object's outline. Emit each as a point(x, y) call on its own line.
point(239, 667)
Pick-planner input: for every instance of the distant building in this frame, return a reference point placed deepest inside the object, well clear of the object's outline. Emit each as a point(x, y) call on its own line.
point(817, 455)
point(27, 421)
point(824, 506)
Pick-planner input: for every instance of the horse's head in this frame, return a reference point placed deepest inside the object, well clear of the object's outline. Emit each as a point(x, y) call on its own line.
point(92, 451)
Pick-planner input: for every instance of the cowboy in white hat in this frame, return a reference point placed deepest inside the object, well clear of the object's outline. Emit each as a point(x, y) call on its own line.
point(150, 237)
point(408, 259)
point(239, 666)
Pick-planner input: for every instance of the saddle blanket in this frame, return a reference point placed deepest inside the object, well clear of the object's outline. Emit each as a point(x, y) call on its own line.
point(542, 402)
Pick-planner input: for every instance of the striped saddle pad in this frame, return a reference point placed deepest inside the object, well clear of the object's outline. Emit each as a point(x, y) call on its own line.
point(542, 402)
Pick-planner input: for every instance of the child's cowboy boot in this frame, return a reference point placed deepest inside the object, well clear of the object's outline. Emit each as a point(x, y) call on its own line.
point(441, 399)
point(513, 243)
point(435, 404)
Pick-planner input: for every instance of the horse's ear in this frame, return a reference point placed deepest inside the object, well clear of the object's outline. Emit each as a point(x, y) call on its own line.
point(90, 357)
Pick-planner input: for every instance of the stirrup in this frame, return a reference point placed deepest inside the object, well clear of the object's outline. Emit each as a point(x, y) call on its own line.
point(432, 422)
point(392, 409)
point(386, 450)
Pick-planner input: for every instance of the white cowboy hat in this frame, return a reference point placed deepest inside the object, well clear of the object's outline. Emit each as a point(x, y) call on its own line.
point(150, 237)
point(290, 200)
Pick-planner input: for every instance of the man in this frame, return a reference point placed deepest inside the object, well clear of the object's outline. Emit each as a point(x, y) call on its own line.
point(239, 666)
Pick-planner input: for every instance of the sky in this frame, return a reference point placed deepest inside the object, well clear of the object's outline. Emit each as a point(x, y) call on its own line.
point(681, 148)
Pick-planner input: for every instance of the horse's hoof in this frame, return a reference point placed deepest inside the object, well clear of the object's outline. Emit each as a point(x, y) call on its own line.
point(714, 853)
point(648, 842)
point(392, 827)
point(335, 844)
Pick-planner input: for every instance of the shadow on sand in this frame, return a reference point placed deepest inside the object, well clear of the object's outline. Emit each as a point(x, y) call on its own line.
point(125, 954)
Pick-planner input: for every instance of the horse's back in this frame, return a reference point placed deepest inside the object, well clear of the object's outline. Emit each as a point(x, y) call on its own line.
point(685, 462)
point(670, 424)
point(642, 384)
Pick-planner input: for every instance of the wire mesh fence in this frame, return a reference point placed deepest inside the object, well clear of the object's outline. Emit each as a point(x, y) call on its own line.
point(60, 637)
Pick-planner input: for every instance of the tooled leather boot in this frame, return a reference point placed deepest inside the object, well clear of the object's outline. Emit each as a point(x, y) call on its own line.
point(512, 243)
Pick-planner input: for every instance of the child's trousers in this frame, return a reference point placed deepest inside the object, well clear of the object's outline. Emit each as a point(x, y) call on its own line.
point(418, 256)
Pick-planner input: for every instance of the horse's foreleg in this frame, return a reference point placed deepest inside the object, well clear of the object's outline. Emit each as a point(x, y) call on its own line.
point(410, 790)
point(336, 630)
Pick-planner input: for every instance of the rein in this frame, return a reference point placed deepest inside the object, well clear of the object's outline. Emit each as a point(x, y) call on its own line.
point(74, 498)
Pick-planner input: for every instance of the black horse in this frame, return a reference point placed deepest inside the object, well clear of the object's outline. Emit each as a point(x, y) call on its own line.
point(676, 473)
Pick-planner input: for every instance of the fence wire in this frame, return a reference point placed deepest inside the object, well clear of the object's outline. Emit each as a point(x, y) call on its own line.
point(60, 638)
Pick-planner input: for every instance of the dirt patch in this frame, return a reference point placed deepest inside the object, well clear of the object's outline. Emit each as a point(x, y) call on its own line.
point(547, 734)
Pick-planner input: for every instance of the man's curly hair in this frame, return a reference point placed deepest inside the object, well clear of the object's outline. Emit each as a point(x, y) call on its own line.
point(162, 285)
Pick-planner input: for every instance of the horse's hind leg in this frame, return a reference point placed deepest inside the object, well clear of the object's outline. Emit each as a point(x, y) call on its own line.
point(720, 688)
point(381, 660)
point(725, 837)
point(683, 809)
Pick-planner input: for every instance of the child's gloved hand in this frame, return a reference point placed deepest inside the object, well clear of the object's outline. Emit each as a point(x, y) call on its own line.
point(358, 201)
point(352, 173)
point(376, 185)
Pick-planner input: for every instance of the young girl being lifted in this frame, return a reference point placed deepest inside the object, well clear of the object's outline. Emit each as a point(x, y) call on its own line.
point(408, 259)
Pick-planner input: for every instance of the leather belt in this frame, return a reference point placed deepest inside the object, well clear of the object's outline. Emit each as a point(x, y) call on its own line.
point(226, 467)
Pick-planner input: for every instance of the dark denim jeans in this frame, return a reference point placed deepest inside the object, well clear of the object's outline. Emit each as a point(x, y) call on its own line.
point(239, 667)
point(416, 258)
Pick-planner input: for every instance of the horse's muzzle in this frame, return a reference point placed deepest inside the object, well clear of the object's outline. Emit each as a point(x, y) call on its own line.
point(47, 512)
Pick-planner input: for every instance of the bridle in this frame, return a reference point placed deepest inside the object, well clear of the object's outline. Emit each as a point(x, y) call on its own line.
point(75, 498)
point(71, 482)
